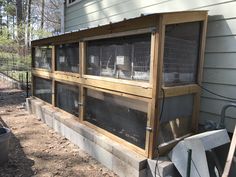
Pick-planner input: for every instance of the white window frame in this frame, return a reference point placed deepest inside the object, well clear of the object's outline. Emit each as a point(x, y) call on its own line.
point(72, 3)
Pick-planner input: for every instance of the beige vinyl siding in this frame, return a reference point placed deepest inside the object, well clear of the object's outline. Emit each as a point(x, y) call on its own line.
point(220, 57)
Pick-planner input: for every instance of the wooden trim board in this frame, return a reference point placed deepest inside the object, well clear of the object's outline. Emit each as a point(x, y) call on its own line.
point(230, 156)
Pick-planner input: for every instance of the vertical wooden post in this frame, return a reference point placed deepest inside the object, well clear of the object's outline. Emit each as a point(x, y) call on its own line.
point(196, 106)
point(82, 49)
point(230, 156)
point(53, 80)
point(157, 77)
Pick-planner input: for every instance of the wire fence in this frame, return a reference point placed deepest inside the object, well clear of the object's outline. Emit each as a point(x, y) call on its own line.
point(18, 72)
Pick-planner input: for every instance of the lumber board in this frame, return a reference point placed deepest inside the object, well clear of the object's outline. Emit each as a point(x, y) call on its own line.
point(181, 90)
point(230, 155)
point(173, 18)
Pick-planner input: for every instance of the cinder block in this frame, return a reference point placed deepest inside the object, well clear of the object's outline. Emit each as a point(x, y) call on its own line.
point(136, 161)
point(38, 110)
point(48, 115)
point(57, 126)
point(102, 155)
point(33, 108)
point(123, 169)
point(111, 154)
point(164, 168)
point(104, 142)
point(28, 105)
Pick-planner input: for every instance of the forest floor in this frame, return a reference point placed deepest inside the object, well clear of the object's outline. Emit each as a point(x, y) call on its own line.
point(37, 150)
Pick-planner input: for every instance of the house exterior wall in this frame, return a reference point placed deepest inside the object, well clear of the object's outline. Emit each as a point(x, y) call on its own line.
point(220, 57)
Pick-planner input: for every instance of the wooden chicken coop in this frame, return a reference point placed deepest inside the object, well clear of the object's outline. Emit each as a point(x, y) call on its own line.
point(135, 81)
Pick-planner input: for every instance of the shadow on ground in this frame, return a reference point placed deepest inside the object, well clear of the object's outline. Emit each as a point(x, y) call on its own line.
point(11, 97)
point(18, 163)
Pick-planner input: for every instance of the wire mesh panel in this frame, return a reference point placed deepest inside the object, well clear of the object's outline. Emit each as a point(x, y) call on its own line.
point(181, 52)
point(67, 57)
point(121, 57)
point(42, 57)
point(176, 117)
point(43, 89)
point(67, 98)
point(123, 117)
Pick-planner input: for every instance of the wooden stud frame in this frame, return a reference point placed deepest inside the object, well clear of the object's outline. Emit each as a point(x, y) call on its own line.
point(150, 92)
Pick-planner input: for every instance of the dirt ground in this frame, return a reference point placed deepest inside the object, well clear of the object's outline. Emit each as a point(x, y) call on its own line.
point(36, 150)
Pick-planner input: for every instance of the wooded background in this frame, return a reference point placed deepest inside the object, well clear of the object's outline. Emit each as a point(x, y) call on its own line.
point(20, 22)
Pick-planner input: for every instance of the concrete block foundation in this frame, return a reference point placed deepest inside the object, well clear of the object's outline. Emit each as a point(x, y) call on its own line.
point(111, 154)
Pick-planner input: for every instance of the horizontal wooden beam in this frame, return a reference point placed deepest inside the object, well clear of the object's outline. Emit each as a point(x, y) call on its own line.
point(126, 25)
point(147, 21)
point(126, 33)
point(67, 77)
point(122, 86)
point(181, 90)
point(183, 17)
point(166, 147)
point(42, 73)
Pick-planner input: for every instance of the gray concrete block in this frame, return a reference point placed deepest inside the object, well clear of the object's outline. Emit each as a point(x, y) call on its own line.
point(164, 168)
point(57, 126)
point(104, 142)
point(38, 110)
point(133, 159)
point(102, 155)
point(28, 105)
point(111, 154)
point(48, 115)
point(33, 103)
point(123, 169)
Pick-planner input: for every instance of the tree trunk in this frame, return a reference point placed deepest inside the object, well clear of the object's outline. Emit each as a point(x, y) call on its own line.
point(19, 22)
point(1, 24)
point(19, 15)
point(29, 24)
point(42, 14)
point(13, 27)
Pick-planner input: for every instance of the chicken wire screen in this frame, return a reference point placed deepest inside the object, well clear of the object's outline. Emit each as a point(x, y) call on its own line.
point(43, 89)
point(122, 57)
point(123, 117)
point(67, 57)
point(42, 57)
point(181, 53)
point(67, 98)
point(176, 119)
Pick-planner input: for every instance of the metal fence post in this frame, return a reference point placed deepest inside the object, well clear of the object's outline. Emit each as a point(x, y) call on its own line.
point(189, 163)
point(27, 85)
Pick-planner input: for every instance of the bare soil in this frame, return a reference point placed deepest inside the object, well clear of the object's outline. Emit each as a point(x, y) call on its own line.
point(36, 150)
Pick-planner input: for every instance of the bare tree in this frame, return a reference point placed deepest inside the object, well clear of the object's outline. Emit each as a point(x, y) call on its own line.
point(19, 13)
point(42, 14)
point(28, 22)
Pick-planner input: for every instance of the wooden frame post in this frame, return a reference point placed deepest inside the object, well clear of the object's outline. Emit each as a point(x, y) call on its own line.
point(82, 51)
point(197, 96)
point(157, 75)
point(53, 79)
